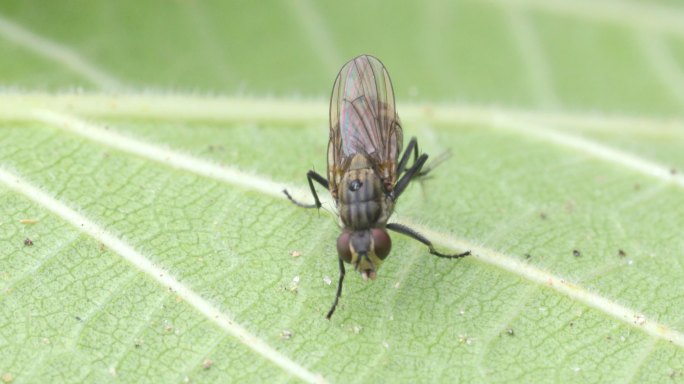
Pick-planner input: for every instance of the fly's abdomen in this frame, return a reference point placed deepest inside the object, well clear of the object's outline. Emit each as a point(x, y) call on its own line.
point(361, 199)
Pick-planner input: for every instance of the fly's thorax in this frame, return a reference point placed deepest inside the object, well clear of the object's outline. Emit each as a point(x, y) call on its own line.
point(361, 199)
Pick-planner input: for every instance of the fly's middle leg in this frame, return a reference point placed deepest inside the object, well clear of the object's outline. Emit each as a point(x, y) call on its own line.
point(311, 176)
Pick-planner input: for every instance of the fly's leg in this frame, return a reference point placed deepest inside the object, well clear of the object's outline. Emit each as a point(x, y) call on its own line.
point(401, 185)
point(413, 147)
point(311, 176)
point(404, 230)
point(339, 291)
point(442, 157)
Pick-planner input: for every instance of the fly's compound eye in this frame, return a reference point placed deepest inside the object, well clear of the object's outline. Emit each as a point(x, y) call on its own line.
point(343, 248)
point(381, 241)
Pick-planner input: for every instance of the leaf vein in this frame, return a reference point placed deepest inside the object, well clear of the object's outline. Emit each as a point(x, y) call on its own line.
point(158, 273)
point(481, 253)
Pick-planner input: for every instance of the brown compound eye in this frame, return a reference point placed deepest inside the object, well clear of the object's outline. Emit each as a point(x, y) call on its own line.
point(382, 242)
point(343, 248)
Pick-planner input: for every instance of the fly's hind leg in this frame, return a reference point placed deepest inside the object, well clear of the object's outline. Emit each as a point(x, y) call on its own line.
point(404, 181)
point(439, 159)
point(404, 230)
point(412, 147)
point(311, 176)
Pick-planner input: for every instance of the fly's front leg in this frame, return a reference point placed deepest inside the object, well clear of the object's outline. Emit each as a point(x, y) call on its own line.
point(404, 230)
point(311, 176)
point(339, 290)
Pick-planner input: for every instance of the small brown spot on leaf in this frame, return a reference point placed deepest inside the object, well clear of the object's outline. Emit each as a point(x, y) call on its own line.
point(570, 206)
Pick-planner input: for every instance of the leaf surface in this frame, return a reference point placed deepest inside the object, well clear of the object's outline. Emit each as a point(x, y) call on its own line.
point(163, 251)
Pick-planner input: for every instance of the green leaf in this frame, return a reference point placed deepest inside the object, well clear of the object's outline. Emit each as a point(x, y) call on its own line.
point(145, 237)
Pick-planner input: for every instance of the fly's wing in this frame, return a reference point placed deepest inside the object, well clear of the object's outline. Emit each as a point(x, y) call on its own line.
point(363, 120)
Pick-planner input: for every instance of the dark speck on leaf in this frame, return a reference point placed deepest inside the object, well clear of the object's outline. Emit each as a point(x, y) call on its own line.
point(621, 253)
point(78, 318)
point(576, 253)
point(28, 242)
point(543, 216)
point(528, 256)
point(673, 171)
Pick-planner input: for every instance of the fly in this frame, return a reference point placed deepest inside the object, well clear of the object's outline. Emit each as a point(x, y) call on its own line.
point(364, 177)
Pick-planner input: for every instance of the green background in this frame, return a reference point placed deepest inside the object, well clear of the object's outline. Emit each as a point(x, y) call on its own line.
point(609, 72)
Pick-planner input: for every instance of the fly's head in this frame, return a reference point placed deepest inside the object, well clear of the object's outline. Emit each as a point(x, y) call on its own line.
point(365, 249)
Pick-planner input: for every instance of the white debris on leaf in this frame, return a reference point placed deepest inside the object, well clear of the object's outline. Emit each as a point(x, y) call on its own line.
point(294, 284)
point(464, 339)
point(639, 319)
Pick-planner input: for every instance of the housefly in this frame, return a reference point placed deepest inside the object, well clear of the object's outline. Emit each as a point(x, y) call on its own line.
point(367, 170)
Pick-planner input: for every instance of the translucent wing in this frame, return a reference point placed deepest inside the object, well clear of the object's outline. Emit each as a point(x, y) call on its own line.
point(363, 120)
